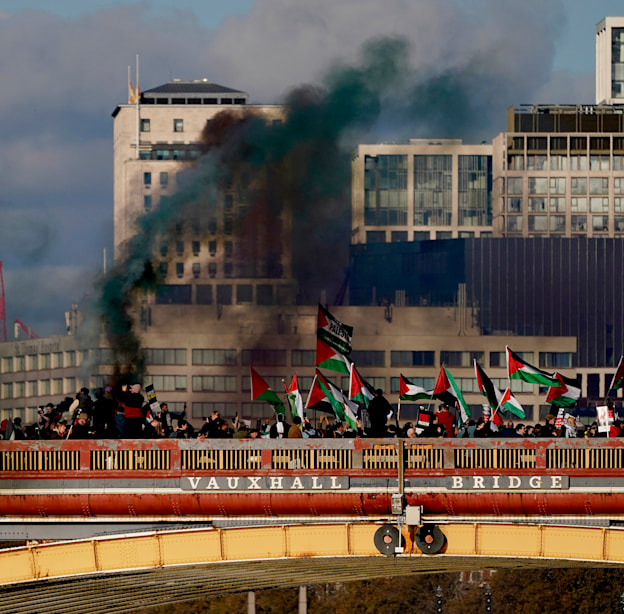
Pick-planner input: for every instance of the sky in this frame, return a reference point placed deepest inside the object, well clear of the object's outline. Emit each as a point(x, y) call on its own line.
point(64, 66)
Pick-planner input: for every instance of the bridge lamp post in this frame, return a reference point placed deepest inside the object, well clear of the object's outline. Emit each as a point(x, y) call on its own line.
point(439, 601)
point(488, 599)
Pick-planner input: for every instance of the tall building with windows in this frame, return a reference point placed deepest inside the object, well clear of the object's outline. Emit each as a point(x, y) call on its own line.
point(610, 61)
point(559, 172)
point(422, 189)
point(156, 147)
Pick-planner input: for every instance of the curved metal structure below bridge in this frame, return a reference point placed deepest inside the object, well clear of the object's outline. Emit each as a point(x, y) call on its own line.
point(122, 573)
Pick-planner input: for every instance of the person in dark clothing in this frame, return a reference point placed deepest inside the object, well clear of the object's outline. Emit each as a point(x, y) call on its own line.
point(81, 429)
point(280, 429)
point(104, 410)
point(378, 411)
point(548, 430)
point(211, 426)
point(167, 417)
point(133, 411)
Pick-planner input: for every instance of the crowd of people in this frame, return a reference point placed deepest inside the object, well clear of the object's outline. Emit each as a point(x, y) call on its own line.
point(124, 413)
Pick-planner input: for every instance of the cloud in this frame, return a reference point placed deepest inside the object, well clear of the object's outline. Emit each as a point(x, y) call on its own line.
point(62, 78)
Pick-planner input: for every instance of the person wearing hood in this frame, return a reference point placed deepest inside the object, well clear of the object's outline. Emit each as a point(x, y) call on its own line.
point(133, 411)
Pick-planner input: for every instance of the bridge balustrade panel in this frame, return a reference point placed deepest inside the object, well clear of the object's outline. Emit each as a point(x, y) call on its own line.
point(176, 456)
point(39, 460)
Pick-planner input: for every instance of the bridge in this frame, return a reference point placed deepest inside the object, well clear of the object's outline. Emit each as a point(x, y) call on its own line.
point(136, 522)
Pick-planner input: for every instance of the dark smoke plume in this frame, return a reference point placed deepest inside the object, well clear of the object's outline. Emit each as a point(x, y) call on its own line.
point(302, 164)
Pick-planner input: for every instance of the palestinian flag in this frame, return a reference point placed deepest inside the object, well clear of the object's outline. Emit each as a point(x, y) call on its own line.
point(618, 379)
point(512, 405)
point(323, 390)
point(411, 392)
point(518, 369)
point(446, 385)
point(330, 359)
point(260, 391)
point(333, 332)
point(360, 390)
point(487, 388)
point(295, 399)
point(566, 394)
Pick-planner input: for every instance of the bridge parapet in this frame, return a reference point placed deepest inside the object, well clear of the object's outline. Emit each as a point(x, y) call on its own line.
point(173, 455)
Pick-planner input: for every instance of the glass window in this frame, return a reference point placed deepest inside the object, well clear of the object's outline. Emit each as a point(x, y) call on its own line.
point(57, 360)
point(167, 383)
point(538, 223)
point(538, 185)
point(433, 180)
point(32, 362)
point(214, 383)
point(514, 185)
point(261, 357)
point(7, 390)
point(557, 223)
point(163, 269)
point(385, 190)
point(57, 385)
point(599, 162)
point(600, 223)
point(558, 204)
point(578, 185)
point(195, 248)
point(19, 389)
point(598, 205)
point(147, 202)
point(536, 162)
point(303, 358)
point(178, 125)
point(474, 190)
point(212, 269)
point(32, 388)
point(7, 364)
point(164, 179)
point(375, 236)
point(20, 363)
point(578, 204)
point(618, 222)
point(369, 358)
point(44, 387)
point(223, 357)
point(537, 205)
point(557, 185)
point(460, 359)
point(514, 223)
point(180, 269)
point(555, 360)
point(398, 236)
point(598, 185)
point(515, 162)
point(578, 163)
point(244, 293)
point(45, 361)
point(579, 222)
point(558, 162)
point(514, 205)
point(145, 125)
point(412, 359)
point(147, 178)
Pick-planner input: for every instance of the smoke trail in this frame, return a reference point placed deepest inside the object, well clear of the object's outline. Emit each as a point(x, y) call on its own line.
point(303, 165)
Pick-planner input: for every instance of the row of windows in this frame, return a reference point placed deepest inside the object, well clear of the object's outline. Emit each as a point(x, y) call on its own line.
point(578, 204)
point(47, 360)
point(557, 223)
point(279, 358)
point(558, 185)
point(562, 162)
point(195, 247)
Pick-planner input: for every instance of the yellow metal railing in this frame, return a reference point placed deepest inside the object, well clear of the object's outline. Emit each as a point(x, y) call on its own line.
point(311, 459)
point(494, 458)
point(380, 456)
point(221, 459)
point(39, 460)
point(585, 458)
point(106, 460)
point(423, 457)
